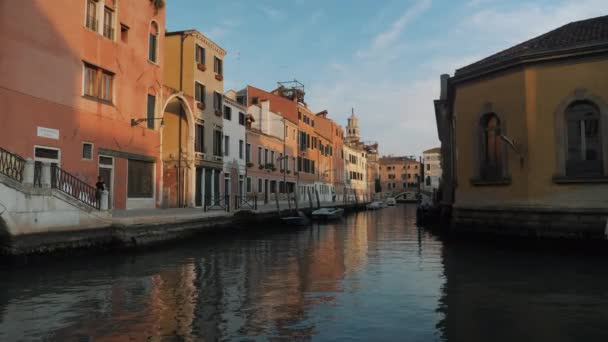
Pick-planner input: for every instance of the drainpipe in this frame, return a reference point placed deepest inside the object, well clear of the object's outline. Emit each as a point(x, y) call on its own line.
point(179, 134)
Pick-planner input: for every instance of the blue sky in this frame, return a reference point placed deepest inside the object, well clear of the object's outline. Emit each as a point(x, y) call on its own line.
point(383, 58)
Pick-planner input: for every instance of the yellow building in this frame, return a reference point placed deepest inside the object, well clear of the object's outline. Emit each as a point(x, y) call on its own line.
point(525, 136)
point(194, 80)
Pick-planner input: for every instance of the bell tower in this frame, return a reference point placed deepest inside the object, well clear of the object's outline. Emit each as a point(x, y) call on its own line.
point(352, 129)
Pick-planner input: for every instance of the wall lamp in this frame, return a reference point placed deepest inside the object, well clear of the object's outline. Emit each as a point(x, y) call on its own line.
point(135, 122)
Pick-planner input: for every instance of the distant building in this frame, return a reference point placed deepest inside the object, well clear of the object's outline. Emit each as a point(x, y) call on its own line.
point(235, 141)
point(528, 153)
point(432, 169)
point(398, 175)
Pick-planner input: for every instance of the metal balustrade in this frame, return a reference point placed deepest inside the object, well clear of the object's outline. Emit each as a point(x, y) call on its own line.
point(11, 165)
point(74, 187)
point(249, 202)
point(217, 203)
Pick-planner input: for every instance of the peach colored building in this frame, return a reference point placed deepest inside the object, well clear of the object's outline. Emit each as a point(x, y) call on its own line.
point(77, 77)
point(399, 174)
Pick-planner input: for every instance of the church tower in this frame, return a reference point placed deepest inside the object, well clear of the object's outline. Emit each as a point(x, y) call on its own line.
point(352, 129)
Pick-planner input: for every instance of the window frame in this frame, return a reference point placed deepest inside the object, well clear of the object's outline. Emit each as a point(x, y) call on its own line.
point(92, 150)
point(141, 195)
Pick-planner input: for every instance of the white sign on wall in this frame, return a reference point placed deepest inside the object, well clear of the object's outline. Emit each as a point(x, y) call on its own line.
point(50, 133)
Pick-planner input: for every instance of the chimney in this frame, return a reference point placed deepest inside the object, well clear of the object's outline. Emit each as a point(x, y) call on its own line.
point(444, 87)
point(265, 116)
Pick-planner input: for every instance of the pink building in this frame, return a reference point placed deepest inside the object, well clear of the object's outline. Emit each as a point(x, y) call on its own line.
point(77, 75)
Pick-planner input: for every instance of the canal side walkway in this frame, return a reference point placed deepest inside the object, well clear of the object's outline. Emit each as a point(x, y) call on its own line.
point(126, 229)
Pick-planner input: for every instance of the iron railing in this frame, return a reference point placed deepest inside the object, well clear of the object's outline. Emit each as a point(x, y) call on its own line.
point(249, 202)
point(108, 32)
point(217, 203)
point(11, 165)
point(38, 174)
point(74, 187)
point(92, 23)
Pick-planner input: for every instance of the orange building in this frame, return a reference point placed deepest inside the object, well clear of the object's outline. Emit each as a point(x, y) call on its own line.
point(81, 89)
point(399, 174)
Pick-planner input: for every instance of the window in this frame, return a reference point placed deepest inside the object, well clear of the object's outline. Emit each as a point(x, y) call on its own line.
point(140, 179)
point(272, 157)
point(91, 15)
point(248, 184)
point(87, 151)
point(199, 138)
point(150, 110)
point(106, 86)
point(241, 119)
point(199, 92)
point(265, 156)
point(217, 143)
point(255, 100)
point(108, 23)
point(428, 180)
point(200, 55)
point(98, 83)
point(153, 42)
point(491, 158)
point(240, 149)
point(260, 155)
point(248, 153)
point(286, 162)
point(584, 155)
point(227, 113)
point(124, 33)
point(428, 167)
point(217, 102)
point(217, 66)
point(312, 122)
point(259, 184)
point(226, 145)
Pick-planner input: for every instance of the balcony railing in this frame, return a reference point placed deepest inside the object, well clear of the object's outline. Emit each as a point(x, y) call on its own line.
point(11, 165)
point(74, 187)
point(249, 202)
point(108, 32)
point(92, 23)
point(217, 203)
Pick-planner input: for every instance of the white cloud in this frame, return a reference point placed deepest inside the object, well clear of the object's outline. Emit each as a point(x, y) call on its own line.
point(386, 38)
point(271, 12)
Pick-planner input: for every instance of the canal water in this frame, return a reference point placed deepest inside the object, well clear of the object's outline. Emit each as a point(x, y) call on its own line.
point(374, 276)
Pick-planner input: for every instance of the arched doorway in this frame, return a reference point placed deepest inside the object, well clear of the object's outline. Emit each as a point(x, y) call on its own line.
point(177, 154)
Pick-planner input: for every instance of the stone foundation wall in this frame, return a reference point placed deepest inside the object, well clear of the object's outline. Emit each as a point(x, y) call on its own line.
point(532, 222)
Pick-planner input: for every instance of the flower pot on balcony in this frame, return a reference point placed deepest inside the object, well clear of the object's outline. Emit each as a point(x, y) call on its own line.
point(200, 105)
point(250, 164)
point(201, 67)
point(261, 167)
point(218, 112)
point(219, 77)
point(288, 172)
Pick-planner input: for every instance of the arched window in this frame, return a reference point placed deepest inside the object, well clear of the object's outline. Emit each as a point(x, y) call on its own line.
point(584, 140)
point(153, 42)
point(491, 166)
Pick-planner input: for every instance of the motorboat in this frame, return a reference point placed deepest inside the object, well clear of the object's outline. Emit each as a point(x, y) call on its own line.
point(299, 220)
point(391, 201)
point(327, 213)
point(375, 205)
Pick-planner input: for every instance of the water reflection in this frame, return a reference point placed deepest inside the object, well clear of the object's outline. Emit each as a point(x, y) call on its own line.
point(374, 276)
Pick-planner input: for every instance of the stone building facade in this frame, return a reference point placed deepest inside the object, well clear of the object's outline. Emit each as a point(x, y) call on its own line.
point(525, 136)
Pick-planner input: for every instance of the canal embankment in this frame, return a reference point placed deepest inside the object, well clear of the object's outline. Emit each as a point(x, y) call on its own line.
point(144, 228)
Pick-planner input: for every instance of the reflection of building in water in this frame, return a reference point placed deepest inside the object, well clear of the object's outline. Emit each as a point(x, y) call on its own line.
point(356, 244)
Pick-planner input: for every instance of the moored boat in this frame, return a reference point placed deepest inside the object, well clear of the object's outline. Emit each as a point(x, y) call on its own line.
point(327, 213)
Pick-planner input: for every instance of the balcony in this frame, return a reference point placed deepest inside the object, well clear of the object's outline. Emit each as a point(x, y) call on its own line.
point(108, 32)
point(92, 23)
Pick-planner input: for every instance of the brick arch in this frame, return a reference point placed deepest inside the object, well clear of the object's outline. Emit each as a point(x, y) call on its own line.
point(561, 137)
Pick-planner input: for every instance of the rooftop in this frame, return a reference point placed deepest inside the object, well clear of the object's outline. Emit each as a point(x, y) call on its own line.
point(589, 34)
